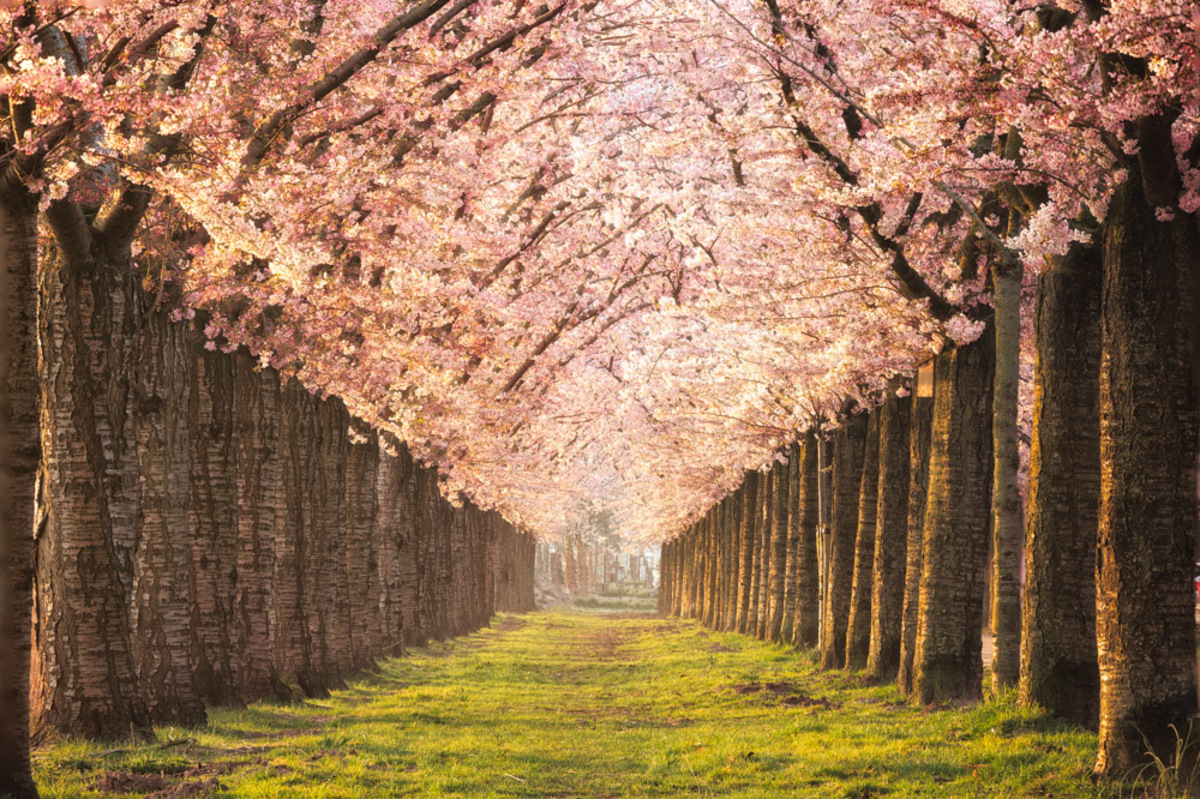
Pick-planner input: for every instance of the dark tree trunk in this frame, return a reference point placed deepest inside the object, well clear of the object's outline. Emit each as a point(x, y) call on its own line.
point(1144, 597)
point(746, 539)
point(848, 452)
point(791, 515)
point(858, 630)
point(19, 455)
point(807, 628)
point(729, 561)
point(362, 468)
point(948, 662)
point(291, 640)
point(83, 677)
point(391, 485)
point(891, 537)
point(920, 432)
point(779, 549)
point(1059, 668)
point(256, 421)
point(762, 568)
point(213, 525)
point(160, 613)
point(329, 612)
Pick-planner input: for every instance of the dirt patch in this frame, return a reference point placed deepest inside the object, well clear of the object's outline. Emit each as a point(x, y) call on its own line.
point(511, 624)
point(721, 648)
point(125, 782)
point(196, 788)
point(785, 694)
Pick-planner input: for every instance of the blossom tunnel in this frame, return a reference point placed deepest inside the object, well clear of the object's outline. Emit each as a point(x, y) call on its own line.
point(320, 314)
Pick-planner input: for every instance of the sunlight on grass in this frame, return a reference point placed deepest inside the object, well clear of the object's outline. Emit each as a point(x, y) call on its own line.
point(576, 704)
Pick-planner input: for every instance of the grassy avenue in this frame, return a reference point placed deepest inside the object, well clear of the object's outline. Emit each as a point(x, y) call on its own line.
point(589, 704)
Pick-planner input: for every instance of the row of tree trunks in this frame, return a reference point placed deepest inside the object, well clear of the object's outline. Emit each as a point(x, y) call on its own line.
point(269, 546)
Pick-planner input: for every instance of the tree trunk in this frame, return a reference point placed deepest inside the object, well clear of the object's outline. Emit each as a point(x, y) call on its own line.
point(858, 630)
point(291, 640)
point(160, 613)
point(766, 524)
point(256, 423)
point(948, 662)
point(920, 432)
point(1144, 597)
point(779, 551)
point(213, 525)
point(807, 627)
point(787, 625)
point(84, 680)
point(329, 613)
point(848, 452)
point(746, 539)
point(361, 475)
point(891, 537)
point(392, 481)
point(1008, 522)
point(1059, 668)
point(19, 455)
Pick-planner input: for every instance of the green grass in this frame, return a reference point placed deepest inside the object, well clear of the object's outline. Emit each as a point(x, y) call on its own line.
point(576, 704)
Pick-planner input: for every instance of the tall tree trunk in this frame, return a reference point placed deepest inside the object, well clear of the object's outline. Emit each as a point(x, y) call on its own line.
point(920, 433)
point(390, 606)
point(746, 539)
point(19, 455)
point(84, 680)
point(362, 467)
point(948, 662)
point(213, 525)
point(807, 627)
point(891, 537)
point(1008, 522)
point(848, 452)
point(787, 626)
point(329, 613)
point(858, 630)
point(160, 613)
point(291, 640)
point(1144, 598)
point(256, 422)
point(762, 569)
point(729, 561)
point(1059, 668)
point(779, 551)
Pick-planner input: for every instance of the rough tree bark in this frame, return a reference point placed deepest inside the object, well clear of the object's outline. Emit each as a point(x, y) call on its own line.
point(858, 629)
point(160, 613)
point(920, 432)
point(329, 612)
point(213, 524)
point(762, 568)
point(891, 537)
point(947, 663)
point(83, 678)
point(256, 421)
point(787, 625)
point(1059, 668)
point(291, 640)
point(808, 582)
point(1144, 597)
point(848, 451)
point(19, 455)
point(746, 539)
point(779, 552)
point(362, 468)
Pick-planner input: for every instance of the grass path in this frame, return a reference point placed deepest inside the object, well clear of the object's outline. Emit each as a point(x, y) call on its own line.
point(573, 704)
